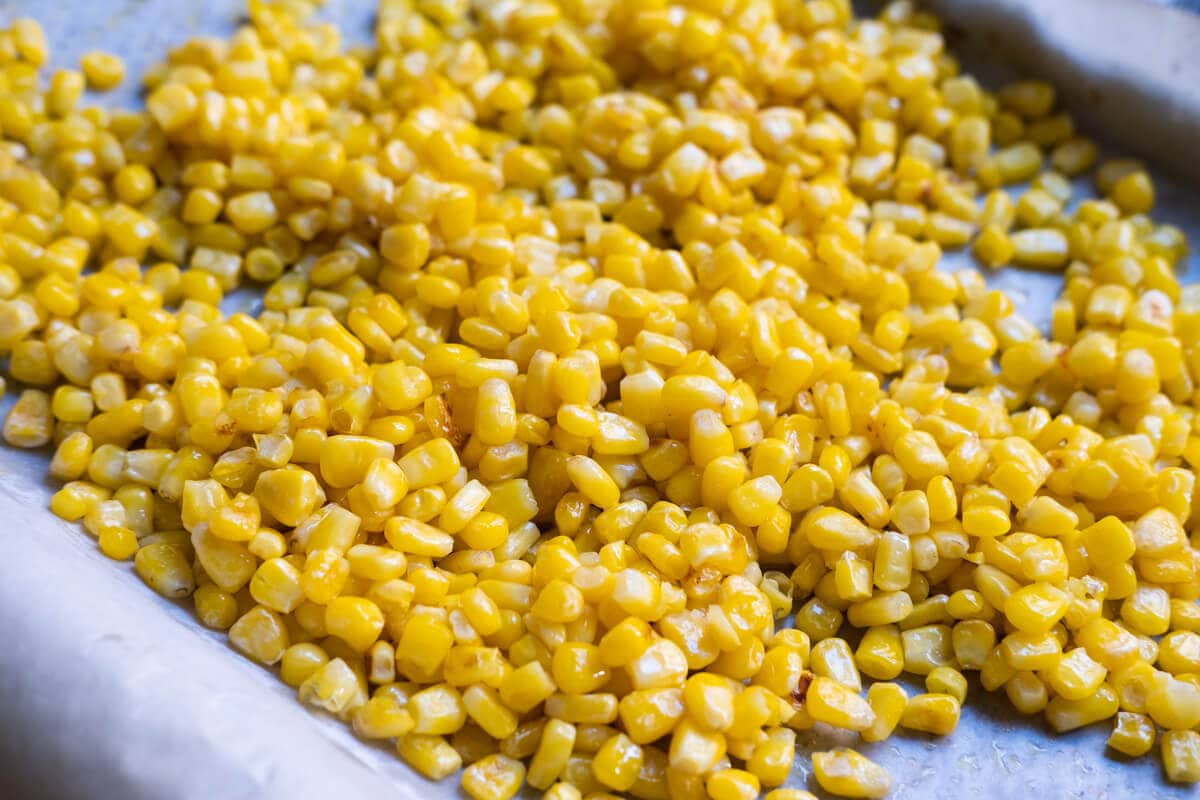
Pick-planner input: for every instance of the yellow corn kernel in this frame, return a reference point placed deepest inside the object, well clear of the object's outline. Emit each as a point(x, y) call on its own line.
point(288, 494)
point(261, 634)
point(1065, 715)
point(846, 773)
point(346, 459)
point(355, 620)
point(1132, 734)
point(1076, 675)
point(485, 709)
point(732, 784)
point(1147, 610)
point(172, 105)
point(215, 607)
point(753, 501)
point(993, 246)
point(102, 70)
point(495, 413)
point(576, 668)
point(1133, 193)
point(617, 763)
point(431, 463)
point(650, 714)
point(880, 652)
point(946, 680)
point(833, 529)
point(1179, 652)
point(384, 716)
point(165, 568)
point(888, 701)
point(300, 661)
point(29, 422)
point(1171, 702)
point(694, 751)
point(1036, 608)
point(591, 480)
point(30, 40)
point(437, 710)
point(406, 245)
point(1044, 248)
point(118, 542)
point(833, 658)
point(772, 759)
point(276, 585)
point(931, 713)
point(927, 648)
point(1181, 756)
point(494, 777)
point(552, 752)
point(333, 686)
point(526, 686)
point(71, 458)
point(416, 538)
point(432, 756)
point(830, 702)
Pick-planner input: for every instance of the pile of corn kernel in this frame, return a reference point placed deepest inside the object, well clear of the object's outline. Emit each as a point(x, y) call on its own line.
point(600, 337)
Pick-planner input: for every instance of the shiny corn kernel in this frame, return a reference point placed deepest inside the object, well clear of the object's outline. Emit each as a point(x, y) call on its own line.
point(102, 70)
point(846, 773)
point(1181, 756)
point(494, 777)
point(1133, 734)
point(932, 713)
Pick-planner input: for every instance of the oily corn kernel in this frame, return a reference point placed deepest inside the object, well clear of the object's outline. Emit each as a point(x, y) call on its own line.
point(846, 773)
point(1181, 756)
point(1133, 734)
point(102, 70)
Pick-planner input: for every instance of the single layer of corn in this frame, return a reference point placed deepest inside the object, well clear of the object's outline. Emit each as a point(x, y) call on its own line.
point(597, 340)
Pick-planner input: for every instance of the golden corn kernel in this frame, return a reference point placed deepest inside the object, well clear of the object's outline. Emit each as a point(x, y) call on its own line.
point(1181, 756)
point(848, 774)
